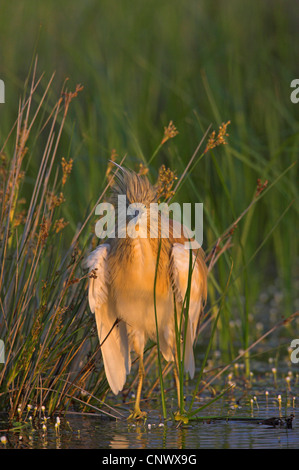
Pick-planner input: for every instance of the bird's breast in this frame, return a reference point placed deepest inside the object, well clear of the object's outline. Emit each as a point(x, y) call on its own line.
point(135, 272)
point(132, 286)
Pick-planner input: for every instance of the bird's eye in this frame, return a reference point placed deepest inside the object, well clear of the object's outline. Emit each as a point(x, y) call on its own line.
point(136, 213)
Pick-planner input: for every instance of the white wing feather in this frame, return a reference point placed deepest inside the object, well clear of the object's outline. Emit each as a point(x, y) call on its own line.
point(113, 338)
point(180, 272)
point(98, 286)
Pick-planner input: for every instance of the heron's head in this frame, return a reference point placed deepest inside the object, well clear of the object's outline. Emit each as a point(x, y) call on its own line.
point(132, 195)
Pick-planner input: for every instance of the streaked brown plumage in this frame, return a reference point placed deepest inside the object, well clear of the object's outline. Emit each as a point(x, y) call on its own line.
point(124, 285)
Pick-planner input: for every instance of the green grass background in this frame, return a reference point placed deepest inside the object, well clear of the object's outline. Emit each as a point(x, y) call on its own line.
point(197, 63)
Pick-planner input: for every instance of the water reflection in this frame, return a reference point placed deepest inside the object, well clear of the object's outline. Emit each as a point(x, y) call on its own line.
point(215, 435)
point(119, 442)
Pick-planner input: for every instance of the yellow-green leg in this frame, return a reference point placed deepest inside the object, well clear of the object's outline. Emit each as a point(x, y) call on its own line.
point(180, 415)
point(137, 413)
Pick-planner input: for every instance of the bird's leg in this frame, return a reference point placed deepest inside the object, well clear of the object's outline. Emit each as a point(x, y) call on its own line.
point(181, 414)
point(139, 387)
point(137, 413)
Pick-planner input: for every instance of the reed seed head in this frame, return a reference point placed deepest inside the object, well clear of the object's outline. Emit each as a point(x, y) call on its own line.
point(169, 132)
point(220, 139)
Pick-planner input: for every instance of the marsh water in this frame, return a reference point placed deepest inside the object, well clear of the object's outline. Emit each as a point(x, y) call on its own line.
point(85, 432)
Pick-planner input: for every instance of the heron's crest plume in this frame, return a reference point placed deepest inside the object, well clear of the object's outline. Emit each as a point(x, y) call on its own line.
point(136, 188)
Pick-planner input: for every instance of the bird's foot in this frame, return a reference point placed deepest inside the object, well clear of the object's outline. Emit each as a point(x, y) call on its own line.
point(182, 417)
point(137, 414)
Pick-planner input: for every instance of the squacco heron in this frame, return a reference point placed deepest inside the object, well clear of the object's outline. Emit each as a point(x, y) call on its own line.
point(121, 291)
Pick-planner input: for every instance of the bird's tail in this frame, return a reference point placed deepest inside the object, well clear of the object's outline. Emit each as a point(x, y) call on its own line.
point(189, 363)
point(113, 338)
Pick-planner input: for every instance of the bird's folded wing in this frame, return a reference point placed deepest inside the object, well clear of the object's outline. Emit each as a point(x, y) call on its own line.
point(180, 260)
point(96, 262)
point(112, 334)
